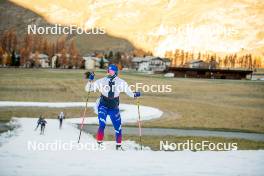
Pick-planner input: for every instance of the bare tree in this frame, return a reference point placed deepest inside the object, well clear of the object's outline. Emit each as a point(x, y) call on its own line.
point(175, 58)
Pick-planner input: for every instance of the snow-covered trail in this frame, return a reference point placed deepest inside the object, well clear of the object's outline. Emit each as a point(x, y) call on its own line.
point(128, 112)
point(17, 156)
point(17, 159)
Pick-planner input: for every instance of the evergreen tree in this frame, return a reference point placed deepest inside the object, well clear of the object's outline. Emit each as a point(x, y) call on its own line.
point(111, 55)
point(102, 63)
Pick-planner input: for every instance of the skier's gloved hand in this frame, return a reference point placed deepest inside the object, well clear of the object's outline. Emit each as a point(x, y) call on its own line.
point(137, 94)
point(89, 76)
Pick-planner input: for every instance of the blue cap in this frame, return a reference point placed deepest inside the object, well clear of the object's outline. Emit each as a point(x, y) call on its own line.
point(114, 68)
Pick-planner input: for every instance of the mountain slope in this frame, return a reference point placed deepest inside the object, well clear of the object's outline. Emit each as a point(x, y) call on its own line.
point(16, 17)
point(158, 26)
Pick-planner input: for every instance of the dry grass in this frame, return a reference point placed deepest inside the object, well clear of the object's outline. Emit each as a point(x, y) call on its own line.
point(154, 141)
point(6, 113)
point(193, 103)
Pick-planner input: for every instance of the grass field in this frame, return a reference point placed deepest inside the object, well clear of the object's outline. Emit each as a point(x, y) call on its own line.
point(6, 113)
point(235, 105)
point(154, 141)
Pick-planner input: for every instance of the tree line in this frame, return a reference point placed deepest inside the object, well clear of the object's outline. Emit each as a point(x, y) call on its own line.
point(29, 47)
point(246, 61)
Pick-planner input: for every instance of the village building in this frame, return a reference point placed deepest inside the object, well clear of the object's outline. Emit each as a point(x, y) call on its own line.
point(95, 62)
point(150, 63)
point(43, 60)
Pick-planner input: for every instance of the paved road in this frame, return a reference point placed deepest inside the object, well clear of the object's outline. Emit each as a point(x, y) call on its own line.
point(179, 132)
point(4, 127)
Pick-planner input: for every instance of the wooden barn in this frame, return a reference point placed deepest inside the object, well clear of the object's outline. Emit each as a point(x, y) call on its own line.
point(208, 73)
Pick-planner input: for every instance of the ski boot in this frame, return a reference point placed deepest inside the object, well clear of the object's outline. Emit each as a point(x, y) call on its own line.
point(119, 147)
point(100, 144)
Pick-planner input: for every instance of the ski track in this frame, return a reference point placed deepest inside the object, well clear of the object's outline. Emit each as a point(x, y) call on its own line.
point(128, 112)
point(17, 159)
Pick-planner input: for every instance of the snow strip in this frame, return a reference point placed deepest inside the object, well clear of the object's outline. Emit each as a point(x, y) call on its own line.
point(16, 158)
point(128, 112)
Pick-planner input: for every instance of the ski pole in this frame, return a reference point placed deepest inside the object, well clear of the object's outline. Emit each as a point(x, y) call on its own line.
point(139, 124)
point(84, 112)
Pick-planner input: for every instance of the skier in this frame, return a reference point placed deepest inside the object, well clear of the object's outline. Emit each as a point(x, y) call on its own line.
point(43, 123)
point(39, 122)
point(61, 117)
point(108, 103)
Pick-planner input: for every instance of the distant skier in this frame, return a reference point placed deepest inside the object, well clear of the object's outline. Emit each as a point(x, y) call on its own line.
point(61, 117)
point(108, 103)
point(39, 122)
point(43, 123)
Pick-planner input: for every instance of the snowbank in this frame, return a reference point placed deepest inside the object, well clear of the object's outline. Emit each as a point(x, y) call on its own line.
point(128, 112)
point(16, 158)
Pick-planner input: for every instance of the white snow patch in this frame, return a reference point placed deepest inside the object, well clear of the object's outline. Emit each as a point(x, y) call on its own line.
point(16, 159)
point(128, 112)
